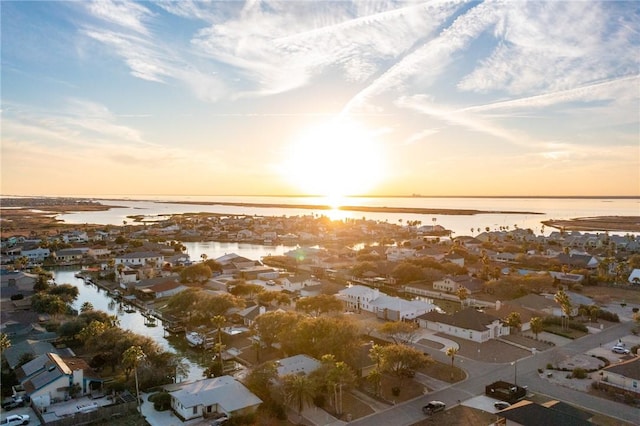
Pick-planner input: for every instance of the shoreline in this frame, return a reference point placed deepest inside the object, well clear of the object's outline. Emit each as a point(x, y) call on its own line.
point(370, 209)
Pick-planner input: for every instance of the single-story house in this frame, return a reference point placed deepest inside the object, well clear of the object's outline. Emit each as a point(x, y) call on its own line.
point(468, 324)
point(140, 258)
point(624, 376)
point(502, 310)
point(527, 413)
point(634, 277)
point(451, 284)
point(166, 289)
point(222, 394)
point(297, 364)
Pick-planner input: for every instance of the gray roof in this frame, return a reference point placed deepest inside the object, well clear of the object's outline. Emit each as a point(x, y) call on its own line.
point(297, 364)
point(33, 347)
point(630, 369)
point(225, 391)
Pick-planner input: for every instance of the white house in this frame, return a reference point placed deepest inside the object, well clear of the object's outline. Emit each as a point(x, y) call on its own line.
point(468, 324)
point(217, 395)
point(297, 364)
point(634, 277)
point(359, 297)
point(395, 254)
point(70, 254)
point(139, 258)
point(451, 284)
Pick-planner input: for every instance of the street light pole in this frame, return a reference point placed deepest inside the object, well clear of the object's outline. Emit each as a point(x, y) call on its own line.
point(515, 373)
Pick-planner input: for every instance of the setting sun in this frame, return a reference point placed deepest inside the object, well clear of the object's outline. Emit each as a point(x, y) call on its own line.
point(335, 160)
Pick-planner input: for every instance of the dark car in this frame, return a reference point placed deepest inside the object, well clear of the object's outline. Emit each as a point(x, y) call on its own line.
point(501, 405)
point(433, 407)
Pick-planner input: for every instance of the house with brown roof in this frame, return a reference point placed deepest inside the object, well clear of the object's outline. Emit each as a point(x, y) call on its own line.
point(451, 284)
point(468, 324)
point(502, 310)
point(623, 377)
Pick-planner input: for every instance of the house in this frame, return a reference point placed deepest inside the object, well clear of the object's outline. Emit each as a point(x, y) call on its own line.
point(527, 413)
point(468, 324)
point(19, 280)
point(249, 314)
point(502, 310)
point(455, 259)
point(451, 284)
point(634, 277)
point(623, 377)
point(541, 305)
point(70, 255)
point(359, 297)
point(578, 261)
point(49, 378)
point(297, 364)
point(36, 254)
point(396, 254)
point(167, 288)
point(139, 258)
point(222, 394)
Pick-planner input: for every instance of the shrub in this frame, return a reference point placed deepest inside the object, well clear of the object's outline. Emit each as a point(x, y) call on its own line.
point(395, 391)
point(18, 296)
point(549, 366)
point(579, 373)
point(540, 370)
point(161, 401)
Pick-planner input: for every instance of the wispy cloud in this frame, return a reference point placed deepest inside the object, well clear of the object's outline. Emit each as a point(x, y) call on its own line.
point(127, 14)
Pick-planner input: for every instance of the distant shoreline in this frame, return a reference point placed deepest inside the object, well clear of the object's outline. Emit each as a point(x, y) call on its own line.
point(366, 209)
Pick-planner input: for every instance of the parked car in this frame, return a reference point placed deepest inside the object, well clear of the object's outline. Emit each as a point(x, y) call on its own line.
point(433, 407)
point(15, 420)
point(13, 402)
point(220, 420)
point(501, 405)
point(619, 350)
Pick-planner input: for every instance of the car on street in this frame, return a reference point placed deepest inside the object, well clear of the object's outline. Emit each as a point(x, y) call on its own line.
point(501, 405)
point(13, 402)
point(15, 419)
point(619, 350)
point(433, 407)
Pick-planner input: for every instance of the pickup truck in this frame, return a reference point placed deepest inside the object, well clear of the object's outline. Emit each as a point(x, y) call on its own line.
point(13, 402)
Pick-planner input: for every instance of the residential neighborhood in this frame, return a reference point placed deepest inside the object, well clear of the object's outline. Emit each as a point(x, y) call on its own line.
point(382, 285)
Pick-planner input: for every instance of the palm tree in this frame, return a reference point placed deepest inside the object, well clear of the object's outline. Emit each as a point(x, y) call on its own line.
point(204, 256)
point(132, 357)
point(86, 307)
point(536, 326)
point(299, 390)
point(218, 321)
point(451, 352)
point(562, 299)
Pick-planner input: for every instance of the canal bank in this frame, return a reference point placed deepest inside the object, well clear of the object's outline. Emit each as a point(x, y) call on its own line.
point(132, 318)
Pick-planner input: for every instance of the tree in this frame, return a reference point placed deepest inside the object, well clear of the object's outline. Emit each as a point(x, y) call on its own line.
point(451, 353)
point(260, 378)
point(399, 331)
point(270, 325)
point(407, 272)
point(513, 320)
point(86, 306)
point(131, 358)
point(317, 305)
point(375, 378)
point(336, 375)
point(5, 343)
point(195, 273)
point(402, 360)
point(299, 391)
point(537, 326)
point(66, 292)
point(218, 321)
point(562, 299)
point(462, 294)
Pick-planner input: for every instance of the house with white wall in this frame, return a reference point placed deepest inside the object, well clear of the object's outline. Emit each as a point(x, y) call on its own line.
point(624, 376)
point(468, 324)
point(139, 258)
point(206, 397)
point(359, 297)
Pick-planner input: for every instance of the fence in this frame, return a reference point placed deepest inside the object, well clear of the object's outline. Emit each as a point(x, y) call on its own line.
point(107, 412)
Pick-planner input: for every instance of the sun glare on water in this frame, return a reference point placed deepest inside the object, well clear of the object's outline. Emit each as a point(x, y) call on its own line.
point(336, 160)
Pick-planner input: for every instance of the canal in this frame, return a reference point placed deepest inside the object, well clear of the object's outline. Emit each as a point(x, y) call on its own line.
point(133, 321)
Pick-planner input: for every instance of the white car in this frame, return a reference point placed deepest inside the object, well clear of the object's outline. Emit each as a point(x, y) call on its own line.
point(619, 350)
point(15, 419)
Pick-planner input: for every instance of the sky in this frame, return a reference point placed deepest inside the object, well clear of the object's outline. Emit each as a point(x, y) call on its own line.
point(331, 98)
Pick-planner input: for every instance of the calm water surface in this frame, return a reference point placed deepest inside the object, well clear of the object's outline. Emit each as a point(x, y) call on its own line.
point(130, 321)
point(549, 208)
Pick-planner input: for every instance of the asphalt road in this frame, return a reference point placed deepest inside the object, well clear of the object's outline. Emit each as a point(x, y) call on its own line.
point(524, 371)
